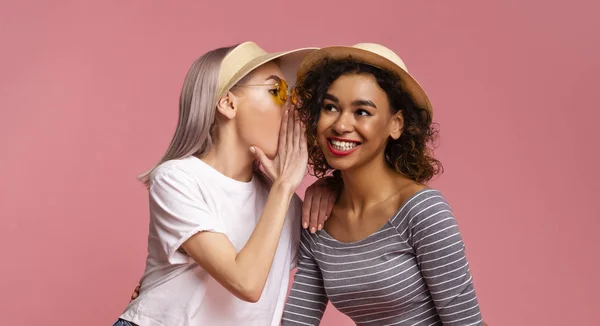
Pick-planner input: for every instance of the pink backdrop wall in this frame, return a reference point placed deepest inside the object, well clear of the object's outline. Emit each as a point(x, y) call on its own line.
point(88, 99)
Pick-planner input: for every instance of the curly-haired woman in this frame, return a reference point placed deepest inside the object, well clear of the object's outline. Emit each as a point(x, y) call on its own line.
point(390, 253)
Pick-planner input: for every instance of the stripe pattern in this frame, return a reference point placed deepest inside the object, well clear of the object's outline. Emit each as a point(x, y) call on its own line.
point(412, 271)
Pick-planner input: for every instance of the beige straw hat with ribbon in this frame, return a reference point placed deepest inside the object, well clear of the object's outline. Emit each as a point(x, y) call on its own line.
point(248, 56)
point(375, 55)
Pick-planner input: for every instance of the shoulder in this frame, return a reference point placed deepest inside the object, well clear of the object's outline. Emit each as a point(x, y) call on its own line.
point(166, 169)
point(422, 204)
point(308, 240)
point(184, 167)
point(424, 198)
point(180, 176)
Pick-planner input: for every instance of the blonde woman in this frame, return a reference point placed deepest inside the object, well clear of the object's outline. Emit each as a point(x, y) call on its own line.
point(221, 240)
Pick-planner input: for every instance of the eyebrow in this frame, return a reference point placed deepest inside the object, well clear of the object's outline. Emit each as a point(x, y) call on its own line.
point(354, 103)
point(275, 78)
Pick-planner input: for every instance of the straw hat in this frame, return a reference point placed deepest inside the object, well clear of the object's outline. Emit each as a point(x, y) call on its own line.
point(374, 55)
point(248, 56)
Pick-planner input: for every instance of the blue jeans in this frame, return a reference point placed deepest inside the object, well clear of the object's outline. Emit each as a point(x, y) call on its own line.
point(122, 322)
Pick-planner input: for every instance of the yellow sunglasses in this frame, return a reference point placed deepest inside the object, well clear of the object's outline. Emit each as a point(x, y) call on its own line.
point(282, 90)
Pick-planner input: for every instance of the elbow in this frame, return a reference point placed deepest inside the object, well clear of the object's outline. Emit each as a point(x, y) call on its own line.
point(249, 291)
point(245, 286)
point(251, 297)
point(250, 294)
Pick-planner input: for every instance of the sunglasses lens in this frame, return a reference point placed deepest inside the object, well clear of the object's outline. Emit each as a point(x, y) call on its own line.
point(283, 90)
point(294, 96)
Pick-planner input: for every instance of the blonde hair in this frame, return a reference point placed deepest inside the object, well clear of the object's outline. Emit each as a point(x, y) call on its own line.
point(195, 129)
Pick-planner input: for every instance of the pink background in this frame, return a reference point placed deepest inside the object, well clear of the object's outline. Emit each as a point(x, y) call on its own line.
point(88, 99)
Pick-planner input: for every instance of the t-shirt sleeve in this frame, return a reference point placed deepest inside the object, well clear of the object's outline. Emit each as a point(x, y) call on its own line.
point(443, 263)
point(307, 300)
point(295, 213)
point(178, 210)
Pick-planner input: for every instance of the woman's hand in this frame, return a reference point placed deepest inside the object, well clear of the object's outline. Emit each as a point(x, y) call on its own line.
point(318, 203)
point(289, 165)
point(136, 292)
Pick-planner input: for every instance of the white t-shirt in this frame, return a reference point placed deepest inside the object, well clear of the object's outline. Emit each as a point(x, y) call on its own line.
point(188, 196)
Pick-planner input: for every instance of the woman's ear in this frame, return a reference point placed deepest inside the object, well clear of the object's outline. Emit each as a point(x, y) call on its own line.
point(397, 125)
point(227, 106)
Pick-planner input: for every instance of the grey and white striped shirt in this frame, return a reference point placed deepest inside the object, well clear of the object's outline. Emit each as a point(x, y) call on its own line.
point(413, 271)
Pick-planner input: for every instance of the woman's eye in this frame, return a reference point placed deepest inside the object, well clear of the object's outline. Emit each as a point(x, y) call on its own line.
point(329, 107)
point(362, 112)
point(273, 91)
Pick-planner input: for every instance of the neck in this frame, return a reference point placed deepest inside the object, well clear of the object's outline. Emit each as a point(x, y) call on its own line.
point(230, 157)
point(368, 185)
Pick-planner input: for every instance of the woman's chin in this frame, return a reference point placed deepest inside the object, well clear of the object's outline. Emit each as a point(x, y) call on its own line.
point(338, 164)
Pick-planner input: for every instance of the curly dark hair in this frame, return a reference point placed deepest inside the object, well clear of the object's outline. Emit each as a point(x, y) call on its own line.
point(410, 155)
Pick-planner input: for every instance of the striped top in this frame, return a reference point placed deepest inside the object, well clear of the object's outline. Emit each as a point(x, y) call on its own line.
point(412, 271)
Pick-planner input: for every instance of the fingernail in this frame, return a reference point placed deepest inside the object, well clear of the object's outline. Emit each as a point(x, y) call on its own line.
point(252, 149)
point(305, 225)
point(313, 230)
point(319, 227)
point(326, 217)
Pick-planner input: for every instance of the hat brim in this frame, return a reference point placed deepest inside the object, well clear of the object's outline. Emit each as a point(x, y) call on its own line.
point(289, 62)
point(411, 86)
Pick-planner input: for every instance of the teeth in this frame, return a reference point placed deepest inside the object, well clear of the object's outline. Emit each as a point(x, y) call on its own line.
point(342, 145)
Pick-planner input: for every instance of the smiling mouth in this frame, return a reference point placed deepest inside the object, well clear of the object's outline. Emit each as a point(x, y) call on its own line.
point(341, 147)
